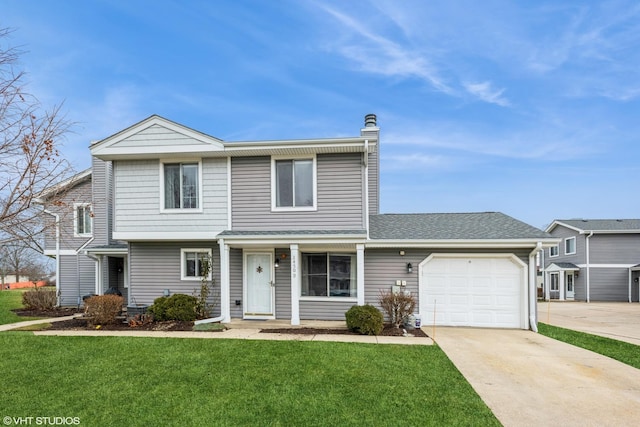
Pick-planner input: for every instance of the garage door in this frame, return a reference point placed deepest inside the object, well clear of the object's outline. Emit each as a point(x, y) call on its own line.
point(472, 290)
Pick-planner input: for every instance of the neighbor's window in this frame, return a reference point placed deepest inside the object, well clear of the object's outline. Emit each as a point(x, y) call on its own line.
point(83, 219)
point(554, 250)
point(194, 262)
point(294, 183)
point(181, 186)
point(570, 246)
point(329, 275)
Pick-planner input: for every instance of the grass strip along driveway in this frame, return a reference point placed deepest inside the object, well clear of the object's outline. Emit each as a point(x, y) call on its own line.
point(162, 381)
point(619, 350)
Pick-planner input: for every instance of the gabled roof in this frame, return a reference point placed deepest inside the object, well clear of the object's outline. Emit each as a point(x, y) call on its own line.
point(562, 266)
point(439, 227)
point(65, 185)
point(157, 137)
point(602, 226)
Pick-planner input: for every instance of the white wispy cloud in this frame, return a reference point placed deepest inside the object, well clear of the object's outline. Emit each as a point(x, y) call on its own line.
point(485, 92)
point(378, 54)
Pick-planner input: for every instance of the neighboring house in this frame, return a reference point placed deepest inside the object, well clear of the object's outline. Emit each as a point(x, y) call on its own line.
point(596, 260)
point(294, 232)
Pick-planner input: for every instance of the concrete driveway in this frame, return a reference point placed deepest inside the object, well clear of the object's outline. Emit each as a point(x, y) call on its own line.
point(530, 380)
point(617, 320)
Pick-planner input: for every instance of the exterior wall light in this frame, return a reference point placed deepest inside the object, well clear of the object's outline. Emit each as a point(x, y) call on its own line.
point(409, 268)
point(277, 263)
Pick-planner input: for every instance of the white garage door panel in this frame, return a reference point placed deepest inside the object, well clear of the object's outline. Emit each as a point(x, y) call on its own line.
point(472, 291)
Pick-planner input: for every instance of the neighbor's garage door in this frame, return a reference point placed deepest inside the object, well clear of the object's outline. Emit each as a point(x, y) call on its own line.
point(472, 290)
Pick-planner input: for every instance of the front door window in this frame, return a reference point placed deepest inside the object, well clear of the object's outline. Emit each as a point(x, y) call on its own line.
point(259, 291)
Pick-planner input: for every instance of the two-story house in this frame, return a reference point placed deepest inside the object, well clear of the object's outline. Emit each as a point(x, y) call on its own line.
point(596, 260)
point(294, 232)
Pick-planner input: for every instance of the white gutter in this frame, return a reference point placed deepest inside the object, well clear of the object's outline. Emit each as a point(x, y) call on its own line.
point(57, 219)
point(588, 267)
point(533, 297)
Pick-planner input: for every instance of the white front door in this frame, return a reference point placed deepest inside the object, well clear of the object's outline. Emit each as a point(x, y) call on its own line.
point(259, 288)
point(570, 291)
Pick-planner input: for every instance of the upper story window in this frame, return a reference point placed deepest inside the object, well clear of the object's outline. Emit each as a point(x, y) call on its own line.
point(570, 245)
point(181, 185)
point(194, 263)
point(329, 275)
point(293, 185)
point(554, 251)
point(83, 219)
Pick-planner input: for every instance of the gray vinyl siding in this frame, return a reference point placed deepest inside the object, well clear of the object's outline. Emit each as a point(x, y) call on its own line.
point(635, 287)
point(332, 309)
point(138, 199)
point(384, 266)
point(100, 171)
point(155, 267)
point(235, 283)
point(77, 278)
point(609, 284)
point(339, 195)
point(614, 249)
point(283, 285)
point(577, 258)
point(81, 193)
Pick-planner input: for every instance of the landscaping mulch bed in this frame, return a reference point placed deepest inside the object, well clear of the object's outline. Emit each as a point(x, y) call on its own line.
point(388, 331)
point(82, 323)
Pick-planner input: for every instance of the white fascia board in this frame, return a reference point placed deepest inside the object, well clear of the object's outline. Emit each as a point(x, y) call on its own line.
point(298, 239)
point(452, 244)
point(611, 232)
point(164, 235)
point(53, 253)
point(107, 251)
point(554, 224)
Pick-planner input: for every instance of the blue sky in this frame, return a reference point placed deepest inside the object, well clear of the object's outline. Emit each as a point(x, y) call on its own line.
point(528, 108)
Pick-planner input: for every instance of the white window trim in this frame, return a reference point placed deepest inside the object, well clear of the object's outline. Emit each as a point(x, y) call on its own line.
point(328, 254)
point(557, 251)
point(575, 248)
point(312, 208)
point(75, 220)
point(183, 275)
point(200, 186)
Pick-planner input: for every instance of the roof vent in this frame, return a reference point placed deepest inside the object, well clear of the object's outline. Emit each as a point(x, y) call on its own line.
point(370, 121)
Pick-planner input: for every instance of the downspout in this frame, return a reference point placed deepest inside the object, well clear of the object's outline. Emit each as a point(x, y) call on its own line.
point(588, 267)
point(533, 298)
point(57, 219)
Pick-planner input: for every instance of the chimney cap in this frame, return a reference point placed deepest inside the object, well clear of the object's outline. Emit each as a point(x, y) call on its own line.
point(370, 120)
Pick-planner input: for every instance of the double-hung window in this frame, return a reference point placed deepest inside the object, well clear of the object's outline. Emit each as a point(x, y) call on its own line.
point(294, 184)
point(570, 246)
point(181, 186)
point(195, 263)
point(553, 251)
point(329, 275)
point(83, 219)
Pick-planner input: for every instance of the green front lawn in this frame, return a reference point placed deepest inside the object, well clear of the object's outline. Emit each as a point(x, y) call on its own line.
point(619, 350)
point(8, 301)
point(155, 381)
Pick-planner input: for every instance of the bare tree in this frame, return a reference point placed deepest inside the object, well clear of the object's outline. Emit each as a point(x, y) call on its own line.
point(30, 161)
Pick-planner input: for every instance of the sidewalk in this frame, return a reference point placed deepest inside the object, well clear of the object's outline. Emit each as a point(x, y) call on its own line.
point(237, 330)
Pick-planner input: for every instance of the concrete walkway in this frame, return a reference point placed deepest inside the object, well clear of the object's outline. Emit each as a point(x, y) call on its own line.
point(237, 330)
point(530, 380)
point(617, 320)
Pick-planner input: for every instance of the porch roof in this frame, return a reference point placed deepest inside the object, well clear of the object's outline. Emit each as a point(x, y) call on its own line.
point(562, 266)
point(112, 249)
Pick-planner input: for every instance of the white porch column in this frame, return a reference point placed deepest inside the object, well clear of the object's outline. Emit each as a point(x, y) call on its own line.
point(547, 286)
point(562, 284)
point(98, 271)
point(225, 309)
point(295, 284)
point(360, 272)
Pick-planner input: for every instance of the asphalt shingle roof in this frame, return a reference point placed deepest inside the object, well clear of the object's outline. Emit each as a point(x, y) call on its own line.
point(603, 224)
point(454, 226)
